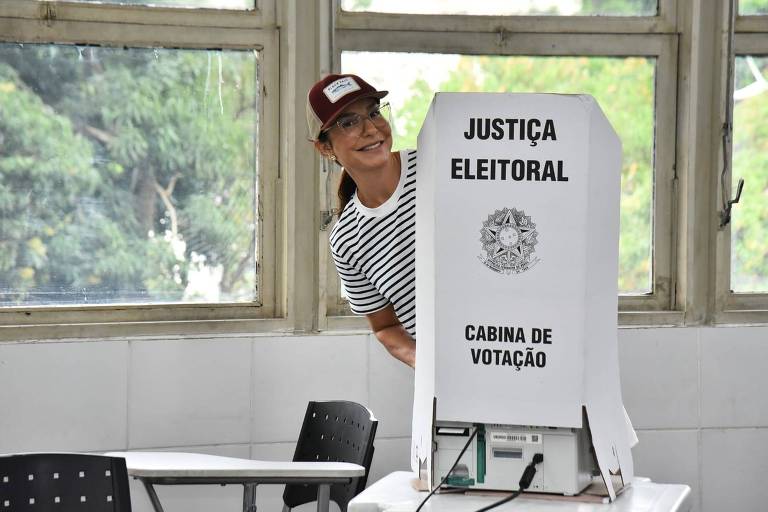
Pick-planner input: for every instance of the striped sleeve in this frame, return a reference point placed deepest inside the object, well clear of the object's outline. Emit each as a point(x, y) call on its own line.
point(362, 296)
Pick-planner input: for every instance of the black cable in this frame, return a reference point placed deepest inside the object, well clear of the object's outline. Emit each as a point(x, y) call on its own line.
point(523, 484)
point(501, 502)
point(474, 433)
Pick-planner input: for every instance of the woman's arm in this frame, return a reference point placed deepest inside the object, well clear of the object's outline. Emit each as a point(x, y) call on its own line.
point(391, 333)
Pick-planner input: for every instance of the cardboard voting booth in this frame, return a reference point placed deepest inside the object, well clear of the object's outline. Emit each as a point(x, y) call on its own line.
point(516, 272)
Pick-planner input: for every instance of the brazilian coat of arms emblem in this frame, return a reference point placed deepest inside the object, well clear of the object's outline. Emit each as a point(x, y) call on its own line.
point(508, 238)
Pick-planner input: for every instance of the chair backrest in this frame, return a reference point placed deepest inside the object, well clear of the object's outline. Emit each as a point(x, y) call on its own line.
point(335, 431)
point(63, 481)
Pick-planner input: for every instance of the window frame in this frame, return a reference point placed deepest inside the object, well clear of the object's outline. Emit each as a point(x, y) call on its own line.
point(301, 289)
point(591, 36)
point(750, 38)
point(62, 22)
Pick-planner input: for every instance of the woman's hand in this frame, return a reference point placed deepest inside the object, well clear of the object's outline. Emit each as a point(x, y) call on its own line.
point(391, 333)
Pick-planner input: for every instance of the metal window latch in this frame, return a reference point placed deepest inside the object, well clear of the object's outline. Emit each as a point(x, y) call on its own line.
point(725, 213)
point(48, 13)
point(501, 36)
point(326, 218)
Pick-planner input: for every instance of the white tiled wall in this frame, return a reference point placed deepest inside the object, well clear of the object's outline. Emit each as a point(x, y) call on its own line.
point(291, 371)
point(189, 393)
point(734, 370)
point(659, 376)
point(697, 397)
point(56, 396)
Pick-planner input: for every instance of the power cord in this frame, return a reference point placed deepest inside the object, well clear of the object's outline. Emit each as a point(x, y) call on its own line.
point(523, 484)
point(474, 433)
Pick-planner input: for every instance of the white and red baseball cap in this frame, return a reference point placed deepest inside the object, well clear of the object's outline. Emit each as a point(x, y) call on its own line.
point(328, 97)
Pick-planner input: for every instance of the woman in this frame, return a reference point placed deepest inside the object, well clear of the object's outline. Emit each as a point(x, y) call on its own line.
point(373, 242)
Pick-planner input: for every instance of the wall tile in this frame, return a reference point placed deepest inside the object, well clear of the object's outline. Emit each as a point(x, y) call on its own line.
point(390, 455)
point(291, 371)
point(391, 391)
point(669, 457)
point(240, 451)
point(189, 393)
point(733, 375)
point(734, 469)
point(273, 451)
point(63, 396)
point(659, 377)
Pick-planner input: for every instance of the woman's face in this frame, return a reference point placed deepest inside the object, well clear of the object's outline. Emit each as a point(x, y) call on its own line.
point(367, 145)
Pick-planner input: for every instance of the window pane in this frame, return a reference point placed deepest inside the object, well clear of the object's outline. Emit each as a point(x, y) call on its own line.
point(749, 231)
point(624, 87)
point(127, 175)
point(509, 8)
point(752, 7)
point(207, 4)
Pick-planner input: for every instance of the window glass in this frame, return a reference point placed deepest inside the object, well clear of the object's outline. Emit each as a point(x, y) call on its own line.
point(749, 231)
point(208, 4)
point(127, 175)
point(509, 8)
point(752, 7)
point(624, 87)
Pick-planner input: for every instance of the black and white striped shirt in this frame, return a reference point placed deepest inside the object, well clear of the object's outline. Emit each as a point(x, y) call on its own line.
point(375, 250)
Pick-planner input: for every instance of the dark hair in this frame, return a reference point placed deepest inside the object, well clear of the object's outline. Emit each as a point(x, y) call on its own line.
point(346, 190)
point(347, 185)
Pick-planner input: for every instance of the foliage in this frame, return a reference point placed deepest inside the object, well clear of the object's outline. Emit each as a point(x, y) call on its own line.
point(751, 7)
point(357, 5)
point(118, 166)
point(749, 233)
point(584, 8)
point(620, 7)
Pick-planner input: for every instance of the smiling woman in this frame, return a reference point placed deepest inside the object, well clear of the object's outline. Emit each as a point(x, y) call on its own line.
point(373, 241)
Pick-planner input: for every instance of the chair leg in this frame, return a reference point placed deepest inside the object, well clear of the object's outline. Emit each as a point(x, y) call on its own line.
point(249, 497)
point(323, 497)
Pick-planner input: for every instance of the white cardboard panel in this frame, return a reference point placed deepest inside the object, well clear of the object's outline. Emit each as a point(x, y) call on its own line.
point(601, 373)
point(517, 214)
point(550, 295)
point(467, 292)
point(424, 379)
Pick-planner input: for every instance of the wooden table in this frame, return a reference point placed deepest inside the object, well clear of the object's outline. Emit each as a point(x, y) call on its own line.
point(175, 468)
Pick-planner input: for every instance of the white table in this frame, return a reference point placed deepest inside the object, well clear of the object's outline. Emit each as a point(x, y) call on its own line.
point(394, 493)
point(175, 468)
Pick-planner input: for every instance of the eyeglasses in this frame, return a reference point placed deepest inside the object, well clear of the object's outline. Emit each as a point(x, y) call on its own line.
point(352, 123)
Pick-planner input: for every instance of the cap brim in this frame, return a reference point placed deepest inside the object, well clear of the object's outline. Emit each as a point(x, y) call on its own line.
point(342, 106)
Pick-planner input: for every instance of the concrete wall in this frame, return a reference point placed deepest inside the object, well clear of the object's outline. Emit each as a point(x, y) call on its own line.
point(697, 397)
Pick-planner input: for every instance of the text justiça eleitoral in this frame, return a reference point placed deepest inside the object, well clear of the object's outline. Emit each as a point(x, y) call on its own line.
point(515, 169)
